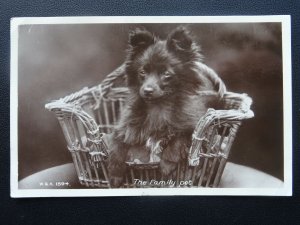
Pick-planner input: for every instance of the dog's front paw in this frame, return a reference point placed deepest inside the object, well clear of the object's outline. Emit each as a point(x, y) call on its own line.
point(167, 167)
point(116, 172)
point(116, 169)
point(116, 182)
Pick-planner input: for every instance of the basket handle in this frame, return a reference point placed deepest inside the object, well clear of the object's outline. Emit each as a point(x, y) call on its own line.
point(213, 76)
point(108, 82)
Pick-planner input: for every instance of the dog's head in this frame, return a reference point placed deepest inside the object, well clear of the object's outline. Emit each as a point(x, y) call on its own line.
point(156, 68)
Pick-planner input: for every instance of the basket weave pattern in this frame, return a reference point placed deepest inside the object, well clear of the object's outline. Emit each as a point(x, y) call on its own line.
point(85, 116)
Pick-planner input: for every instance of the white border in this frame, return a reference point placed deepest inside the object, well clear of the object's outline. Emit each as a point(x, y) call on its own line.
point(286, 190)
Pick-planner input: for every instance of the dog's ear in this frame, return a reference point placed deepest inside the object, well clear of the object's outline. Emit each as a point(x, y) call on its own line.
point(180, 40)
point(140, 39)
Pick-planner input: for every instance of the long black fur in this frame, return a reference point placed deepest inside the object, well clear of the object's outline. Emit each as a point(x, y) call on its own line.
point(178, 106)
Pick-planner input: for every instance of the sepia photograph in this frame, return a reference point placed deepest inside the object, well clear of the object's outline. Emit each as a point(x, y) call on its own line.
point(124, 106)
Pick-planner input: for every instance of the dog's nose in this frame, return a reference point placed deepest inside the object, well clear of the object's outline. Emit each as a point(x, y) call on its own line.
point(148, 91)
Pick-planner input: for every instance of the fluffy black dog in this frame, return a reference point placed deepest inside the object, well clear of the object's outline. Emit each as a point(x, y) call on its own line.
point(166, 79)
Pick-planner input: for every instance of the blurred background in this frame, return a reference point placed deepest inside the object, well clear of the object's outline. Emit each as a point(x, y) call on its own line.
point(56, 60)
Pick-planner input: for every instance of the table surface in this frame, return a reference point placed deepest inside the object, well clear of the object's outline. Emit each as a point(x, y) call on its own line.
point(234, 176)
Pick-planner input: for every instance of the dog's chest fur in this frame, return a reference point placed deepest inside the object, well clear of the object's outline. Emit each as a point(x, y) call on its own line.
point(158, 117)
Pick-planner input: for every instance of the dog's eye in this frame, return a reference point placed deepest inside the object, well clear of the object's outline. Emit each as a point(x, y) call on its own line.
point(167, 75)
point(142, 73)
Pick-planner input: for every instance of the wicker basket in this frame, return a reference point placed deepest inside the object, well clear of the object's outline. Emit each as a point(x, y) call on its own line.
point(85, 116)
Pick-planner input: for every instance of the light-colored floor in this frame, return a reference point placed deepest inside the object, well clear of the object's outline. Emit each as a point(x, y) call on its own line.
point(234, 176)
point(238, 176)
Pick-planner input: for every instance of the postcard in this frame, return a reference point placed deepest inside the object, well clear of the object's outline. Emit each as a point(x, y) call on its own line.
point(143, 106)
